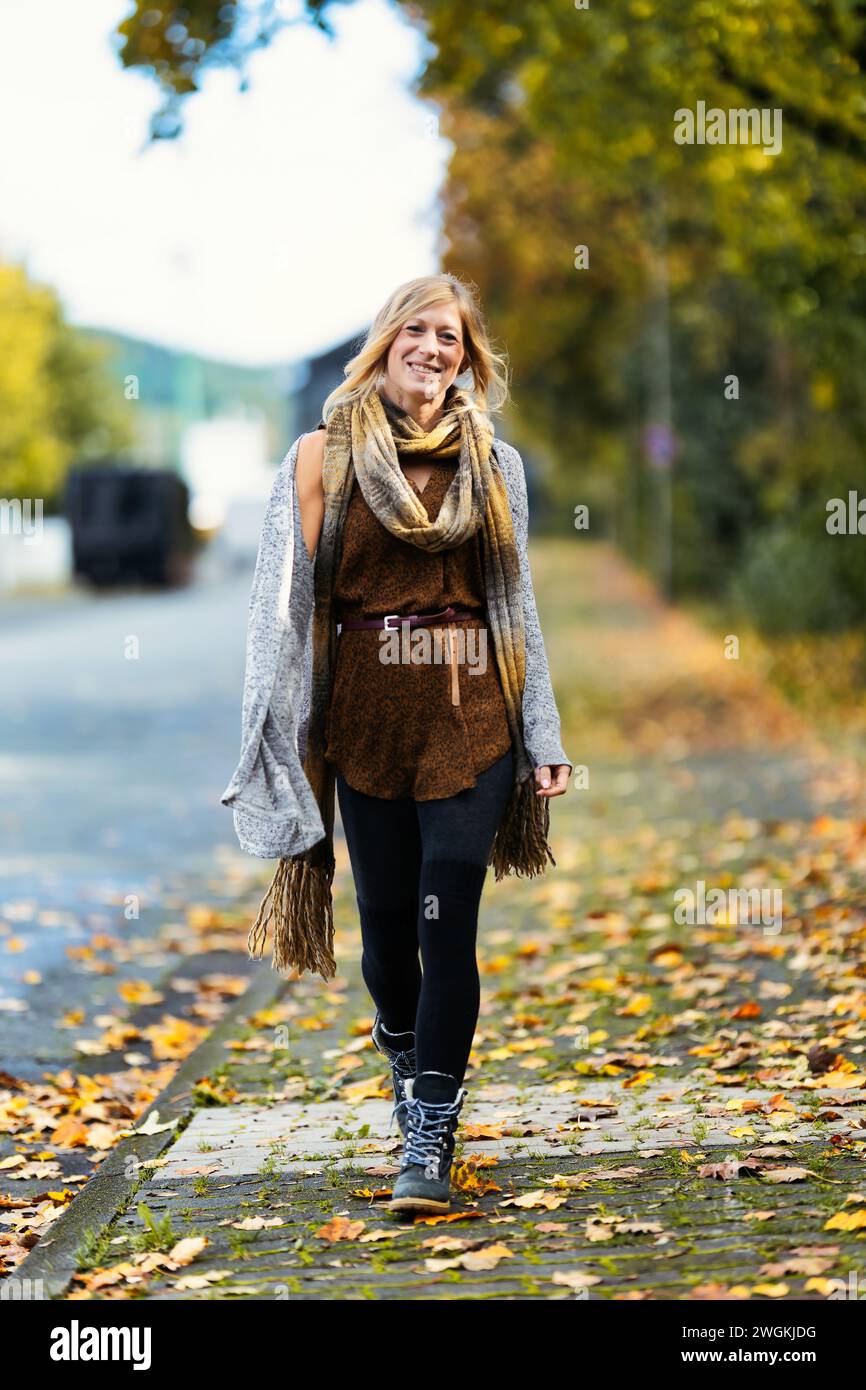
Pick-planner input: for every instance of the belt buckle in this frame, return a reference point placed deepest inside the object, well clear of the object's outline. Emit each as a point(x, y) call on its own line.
point(387, 618)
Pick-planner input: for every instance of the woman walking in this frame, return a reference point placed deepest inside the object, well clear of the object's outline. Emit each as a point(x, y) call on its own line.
point(394, 656)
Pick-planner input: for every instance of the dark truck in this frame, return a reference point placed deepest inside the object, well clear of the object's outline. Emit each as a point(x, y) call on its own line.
point(129, 526)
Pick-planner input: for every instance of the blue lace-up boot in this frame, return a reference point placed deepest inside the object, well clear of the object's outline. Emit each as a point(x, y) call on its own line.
point(424, 1181)
point(402, 1063)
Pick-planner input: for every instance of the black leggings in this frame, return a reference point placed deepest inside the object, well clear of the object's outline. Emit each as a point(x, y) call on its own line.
point(419, 869)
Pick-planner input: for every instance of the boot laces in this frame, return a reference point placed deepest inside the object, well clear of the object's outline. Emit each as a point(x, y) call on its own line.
point(404, 1060)
point(403, 1063)
point(398, 1106)
point(427, 1127)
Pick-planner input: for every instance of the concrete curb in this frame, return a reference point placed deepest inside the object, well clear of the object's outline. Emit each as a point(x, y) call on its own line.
point(54, 1261)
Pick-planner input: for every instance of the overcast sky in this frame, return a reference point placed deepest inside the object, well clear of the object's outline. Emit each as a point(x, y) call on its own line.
point(274, 226)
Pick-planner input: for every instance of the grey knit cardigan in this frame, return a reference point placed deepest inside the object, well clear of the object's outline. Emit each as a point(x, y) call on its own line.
point(274, 810)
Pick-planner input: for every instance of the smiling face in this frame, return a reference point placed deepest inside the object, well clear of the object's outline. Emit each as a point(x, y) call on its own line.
point(425, 357)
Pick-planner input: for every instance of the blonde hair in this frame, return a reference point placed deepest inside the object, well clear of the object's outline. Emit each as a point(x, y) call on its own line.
point(489, 390)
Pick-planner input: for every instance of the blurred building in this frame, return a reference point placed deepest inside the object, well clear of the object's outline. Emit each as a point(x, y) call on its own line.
point(321, 374)
point(169, 391)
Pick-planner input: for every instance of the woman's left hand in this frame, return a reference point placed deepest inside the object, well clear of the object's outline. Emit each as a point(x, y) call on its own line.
point(552, 781)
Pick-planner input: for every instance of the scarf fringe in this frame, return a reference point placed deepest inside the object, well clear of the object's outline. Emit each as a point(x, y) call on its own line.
point(520, 845)
point(299, 904)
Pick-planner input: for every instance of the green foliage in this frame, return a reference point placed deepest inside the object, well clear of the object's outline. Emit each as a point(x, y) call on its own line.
point(794, 579)
point(57, 404)
point(93, 1248)
point(157, 1234)
point(179, 44)
point(706, 261)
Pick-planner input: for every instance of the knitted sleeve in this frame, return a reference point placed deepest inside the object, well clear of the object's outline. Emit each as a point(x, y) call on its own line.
point(275, 812)
point(541, 724)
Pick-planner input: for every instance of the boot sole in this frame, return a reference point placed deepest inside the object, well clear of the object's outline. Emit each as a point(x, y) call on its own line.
point(417, 1204)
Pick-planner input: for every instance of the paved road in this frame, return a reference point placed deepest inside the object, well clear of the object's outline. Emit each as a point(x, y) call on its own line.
point(119, 729)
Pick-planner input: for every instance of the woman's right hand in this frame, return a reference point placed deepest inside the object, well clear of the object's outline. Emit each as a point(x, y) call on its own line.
point(552, 780)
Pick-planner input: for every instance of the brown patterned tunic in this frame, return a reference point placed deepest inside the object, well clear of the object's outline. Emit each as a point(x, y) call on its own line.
point(423, 729)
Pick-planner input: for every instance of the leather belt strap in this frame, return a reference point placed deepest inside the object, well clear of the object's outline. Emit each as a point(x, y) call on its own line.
point(394, 621)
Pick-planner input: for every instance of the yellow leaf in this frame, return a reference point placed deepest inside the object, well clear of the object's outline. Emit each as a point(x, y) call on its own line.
point(139, 992)
point(668, 958)
point(843, 1080)
point(372, 1088)
point(639, 1004)
point(823, 1286)
point(847, 1221)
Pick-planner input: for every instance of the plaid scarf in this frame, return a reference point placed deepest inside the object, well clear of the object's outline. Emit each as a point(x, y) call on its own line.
point(366, 441)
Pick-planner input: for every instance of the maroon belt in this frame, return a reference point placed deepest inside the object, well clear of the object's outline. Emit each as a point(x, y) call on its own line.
point(393, 621)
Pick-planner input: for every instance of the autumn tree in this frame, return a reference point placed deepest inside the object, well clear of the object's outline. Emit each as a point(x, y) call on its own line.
point(694, 374)
point(57, 404)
